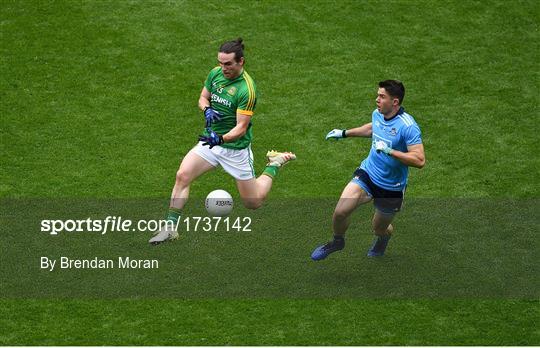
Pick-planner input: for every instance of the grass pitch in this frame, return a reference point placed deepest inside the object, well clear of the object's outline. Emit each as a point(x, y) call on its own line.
point(98, 101)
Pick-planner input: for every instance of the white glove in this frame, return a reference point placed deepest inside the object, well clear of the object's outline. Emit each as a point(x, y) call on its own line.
point(382, 146)
point(336, 134)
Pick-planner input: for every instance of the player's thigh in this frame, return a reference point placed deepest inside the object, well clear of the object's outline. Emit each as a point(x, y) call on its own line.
point(381, 221)
point(351, 197)
point(192, 167)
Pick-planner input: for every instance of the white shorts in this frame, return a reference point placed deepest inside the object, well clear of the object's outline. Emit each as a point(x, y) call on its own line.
point(238, 163)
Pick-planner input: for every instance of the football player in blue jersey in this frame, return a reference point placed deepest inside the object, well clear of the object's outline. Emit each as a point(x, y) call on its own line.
point(396, 145)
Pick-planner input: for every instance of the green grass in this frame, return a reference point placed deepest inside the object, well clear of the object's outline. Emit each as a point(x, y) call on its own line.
point(269, 322)
point(98, 100)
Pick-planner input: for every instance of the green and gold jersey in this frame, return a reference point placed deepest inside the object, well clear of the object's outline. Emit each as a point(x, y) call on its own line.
point(230, 97)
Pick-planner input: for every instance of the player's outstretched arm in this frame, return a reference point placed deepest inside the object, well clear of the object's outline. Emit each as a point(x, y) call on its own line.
point(364, 131)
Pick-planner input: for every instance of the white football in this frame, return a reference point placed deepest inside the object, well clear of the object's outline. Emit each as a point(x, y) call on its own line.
point(219, 203)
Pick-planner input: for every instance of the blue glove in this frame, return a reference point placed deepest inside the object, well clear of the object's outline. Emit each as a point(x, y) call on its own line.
point(336, 134)
point(212, 139)
point(211, 116)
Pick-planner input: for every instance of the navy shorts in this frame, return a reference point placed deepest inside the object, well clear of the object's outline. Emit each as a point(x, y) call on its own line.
point(386, 201)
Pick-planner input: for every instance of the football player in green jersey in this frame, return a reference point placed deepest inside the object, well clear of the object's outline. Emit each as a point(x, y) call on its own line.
point(228, 101)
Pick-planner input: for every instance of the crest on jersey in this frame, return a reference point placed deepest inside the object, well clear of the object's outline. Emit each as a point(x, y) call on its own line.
point(232, 91)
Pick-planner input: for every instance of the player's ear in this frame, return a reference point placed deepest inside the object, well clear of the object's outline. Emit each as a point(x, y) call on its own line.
point(241, 61)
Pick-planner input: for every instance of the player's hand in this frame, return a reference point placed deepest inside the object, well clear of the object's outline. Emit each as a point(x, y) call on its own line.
point(211, 116)
point(212, 139)
point(381, 146)
point(336, 134)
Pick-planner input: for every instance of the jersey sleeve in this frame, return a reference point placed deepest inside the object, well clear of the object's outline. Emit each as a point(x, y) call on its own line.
point(247, 100)
point(413, 135)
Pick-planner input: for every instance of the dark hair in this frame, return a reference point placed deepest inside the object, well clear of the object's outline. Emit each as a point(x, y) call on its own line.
point(235, 46)
point(394, 88)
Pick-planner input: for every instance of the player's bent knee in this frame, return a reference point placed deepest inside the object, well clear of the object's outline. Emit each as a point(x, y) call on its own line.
point(183, 177)
point(341, 214)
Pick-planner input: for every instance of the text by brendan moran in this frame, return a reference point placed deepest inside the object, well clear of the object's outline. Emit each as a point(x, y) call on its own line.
point(66, 263)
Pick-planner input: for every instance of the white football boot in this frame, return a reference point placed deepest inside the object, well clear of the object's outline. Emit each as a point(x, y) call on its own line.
point(279, 159)
point(163, 235)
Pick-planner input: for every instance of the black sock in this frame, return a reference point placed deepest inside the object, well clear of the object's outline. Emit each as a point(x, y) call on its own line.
point(339, 239)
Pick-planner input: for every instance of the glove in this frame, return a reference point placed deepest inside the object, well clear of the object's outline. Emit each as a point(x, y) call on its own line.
point(212, 139)
point(382, 146)
point(336, 134)
point(211, 116)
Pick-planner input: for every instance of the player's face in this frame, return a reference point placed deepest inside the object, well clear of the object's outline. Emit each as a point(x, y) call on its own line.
point(385, 102)
point(230, 67)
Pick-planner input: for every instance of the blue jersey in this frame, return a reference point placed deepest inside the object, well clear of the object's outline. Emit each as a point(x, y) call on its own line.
point(398, 133)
